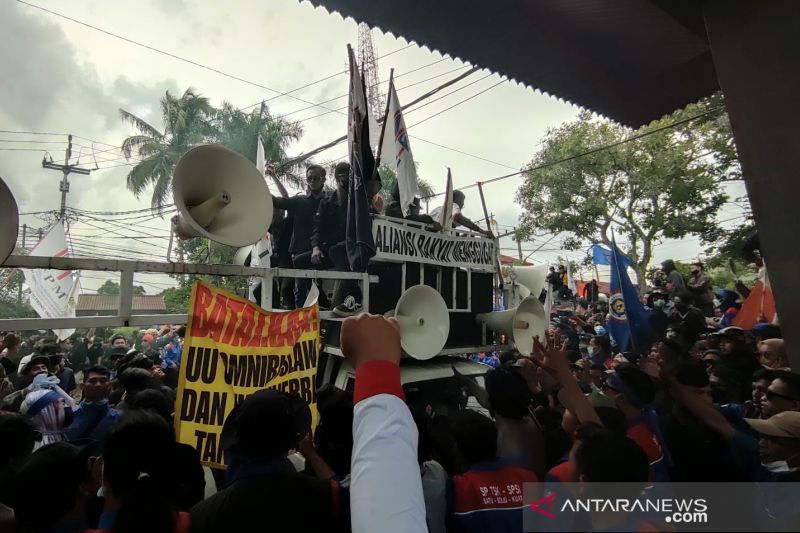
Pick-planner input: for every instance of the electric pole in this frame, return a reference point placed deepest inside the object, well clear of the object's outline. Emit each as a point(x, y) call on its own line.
point(66, 168)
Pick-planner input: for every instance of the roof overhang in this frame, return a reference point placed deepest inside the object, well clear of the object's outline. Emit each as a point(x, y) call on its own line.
point(633, 61)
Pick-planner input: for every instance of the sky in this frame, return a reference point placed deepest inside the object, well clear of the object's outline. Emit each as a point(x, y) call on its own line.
point(62, 77)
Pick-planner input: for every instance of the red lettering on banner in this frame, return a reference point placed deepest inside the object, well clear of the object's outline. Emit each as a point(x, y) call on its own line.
point(275, 334)
point(245, 328)
point(202, 302)
point(217, 319)
point(293, 327)
point(235, 308)
point(255, 339)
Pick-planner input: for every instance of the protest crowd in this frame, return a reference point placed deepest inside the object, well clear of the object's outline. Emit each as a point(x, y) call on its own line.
point(89, 422)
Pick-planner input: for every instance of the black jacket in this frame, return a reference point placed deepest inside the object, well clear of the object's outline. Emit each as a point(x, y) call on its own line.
point(302, 207)
point(330, 222)
point(276, 502)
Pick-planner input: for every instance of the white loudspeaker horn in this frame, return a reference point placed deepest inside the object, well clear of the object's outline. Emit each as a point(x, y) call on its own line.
point(520, 323)
point(9, 221)
point(424, 321)
point(242, 256)
point(220, 195)
point(531, 277)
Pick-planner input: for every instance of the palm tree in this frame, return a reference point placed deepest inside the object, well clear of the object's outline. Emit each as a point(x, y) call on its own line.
point(239, 131)
point(185, 125)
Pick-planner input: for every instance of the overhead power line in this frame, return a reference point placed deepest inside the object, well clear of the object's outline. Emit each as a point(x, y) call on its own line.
point(169, 54)
point(589, 152)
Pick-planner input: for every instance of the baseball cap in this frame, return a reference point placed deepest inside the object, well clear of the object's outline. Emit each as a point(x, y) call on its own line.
point(785, 424)
point(732, 332)
point(266, 424)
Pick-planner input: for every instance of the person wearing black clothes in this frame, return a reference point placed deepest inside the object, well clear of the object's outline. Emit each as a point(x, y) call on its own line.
point(659, 321)
point(281, 230)
point(591, 290)
point(261, 483)
point(302, 208)
point(328, 243)
point(689, 317)
point(675, 283)
point(698, 452)
point(554, 279)
point(700, 286)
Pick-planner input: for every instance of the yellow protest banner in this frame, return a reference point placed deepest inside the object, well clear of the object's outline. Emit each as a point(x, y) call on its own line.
point(232, 349)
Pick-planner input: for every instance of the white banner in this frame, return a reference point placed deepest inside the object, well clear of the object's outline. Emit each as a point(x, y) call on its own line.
point(396, 242)
point(53, 293)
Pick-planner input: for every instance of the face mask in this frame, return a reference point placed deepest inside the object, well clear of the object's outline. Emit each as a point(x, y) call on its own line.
point(778, 466)
point(590, 350)
point(658, 304)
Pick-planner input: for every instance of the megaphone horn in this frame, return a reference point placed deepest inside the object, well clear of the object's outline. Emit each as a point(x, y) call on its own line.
point(424, 321)
point(531, 277)
point(521, 323)
point(220, 195)
point(9, 221)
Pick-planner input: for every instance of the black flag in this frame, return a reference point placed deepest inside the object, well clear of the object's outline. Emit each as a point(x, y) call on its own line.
point(359, 241)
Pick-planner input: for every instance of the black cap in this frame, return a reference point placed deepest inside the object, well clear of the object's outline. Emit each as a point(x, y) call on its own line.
point(266, 424)
point(39, 359)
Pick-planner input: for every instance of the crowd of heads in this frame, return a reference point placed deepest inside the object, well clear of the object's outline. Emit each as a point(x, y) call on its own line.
point(578, 409)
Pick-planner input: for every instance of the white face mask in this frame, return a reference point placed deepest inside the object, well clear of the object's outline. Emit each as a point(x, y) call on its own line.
point(778, 467)
point(590, 349)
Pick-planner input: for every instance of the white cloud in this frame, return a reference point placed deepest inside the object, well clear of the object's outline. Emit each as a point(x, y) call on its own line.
point(64, 77)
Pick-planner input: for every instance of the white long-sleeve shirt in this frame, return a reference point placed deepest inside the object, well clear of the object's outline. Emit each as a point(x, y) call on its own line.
point(385, 488)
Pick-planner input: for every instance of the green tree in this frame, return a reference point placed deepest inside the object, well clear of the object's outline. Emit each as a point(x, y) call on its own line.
point(239, 131)
point(388, 180)
point(12, 281)
point(10, 307)
point(176, 299)
point(186, 123)
point(664, 185)
point(203, 251)
point(112, 288)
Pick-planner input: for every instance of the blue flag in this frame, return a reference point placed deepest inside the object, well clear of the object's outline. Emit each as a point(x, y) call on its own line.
point(629, 321)
point(602, 256)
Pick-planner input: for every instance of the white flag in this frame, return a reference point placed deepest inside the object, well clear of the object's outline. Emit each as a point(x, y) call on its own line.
point(446, 215)
point(53, 293)
point(396, 152)
point(261, 160)
point(571, 285)
point(374, 130)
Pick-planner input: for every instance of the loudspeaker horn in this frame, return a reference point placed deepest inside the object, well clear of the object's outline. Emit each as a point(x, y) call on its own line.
point(242, 256)
point(220, 195)
point(9, 221)
point(424, 321)
point(520, 323)
point(531, 277)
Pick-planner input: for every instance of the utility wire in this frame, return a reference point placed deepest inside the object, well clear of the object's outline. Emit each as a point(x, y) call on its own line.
point(588, 152)
point(169, 54)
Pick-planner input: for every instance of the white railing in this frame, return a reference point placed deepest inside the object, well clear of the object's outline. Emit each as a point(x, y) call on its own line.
point(125, 316)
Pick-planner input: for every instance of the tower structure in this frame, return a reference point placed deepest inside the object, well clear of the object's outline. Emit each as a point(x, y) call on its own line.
point(366, 57)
